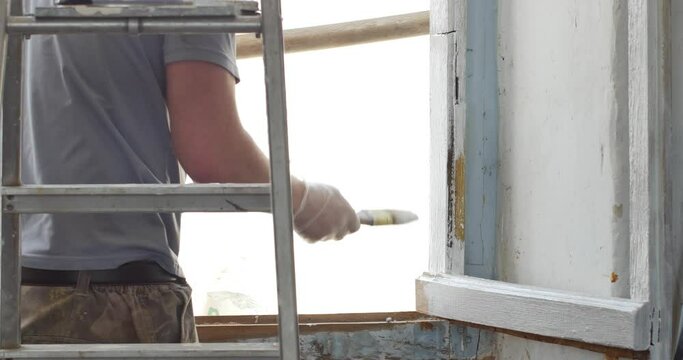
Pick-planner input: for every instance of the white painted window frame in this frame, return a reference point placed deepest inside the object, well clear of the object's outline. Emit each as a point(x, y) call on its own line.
point(642, 322)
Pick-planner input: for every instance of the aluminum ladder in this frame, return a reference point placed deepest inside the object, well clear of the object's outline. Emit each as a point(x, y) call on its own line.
point(184, 16)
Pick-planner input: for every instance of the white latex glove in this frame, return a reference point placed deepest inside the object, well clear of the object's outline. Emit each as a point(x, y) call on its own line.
point(324, 214)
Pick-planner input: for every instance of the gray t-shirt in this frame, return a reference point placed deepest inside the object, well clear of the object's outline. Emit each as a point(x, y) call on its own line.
point(95, 113)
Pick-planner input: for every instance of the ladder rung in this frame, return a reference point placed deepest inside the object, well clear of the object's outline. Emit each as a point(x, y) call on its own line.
point(145, 351)
point(136, 198)
point(211, 9)
point(28, 25)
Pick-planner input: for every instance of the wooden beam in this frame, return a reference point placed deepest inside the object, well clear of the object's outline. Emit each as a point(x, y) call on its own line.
point(553, 313)
point(240, 327)
point(261, 327)
point(649, 96)
point(447, 134)
point(481, 139)
point(610, 352)
point(312, 319)
point(342, 34)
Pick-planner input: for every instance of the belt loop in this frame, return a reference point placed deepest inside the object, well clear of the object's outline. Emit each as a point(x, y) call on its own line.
point(83, 283)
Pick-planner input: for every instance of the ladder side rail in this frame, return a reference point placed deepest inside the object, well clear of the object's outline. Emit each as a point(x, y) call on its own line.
point(273, 57)
point(280, 190)
point(10, 250)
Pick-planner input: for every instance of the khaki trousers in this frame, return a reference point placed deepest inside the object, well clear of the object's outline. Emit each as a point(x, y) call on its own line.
point(92, 313)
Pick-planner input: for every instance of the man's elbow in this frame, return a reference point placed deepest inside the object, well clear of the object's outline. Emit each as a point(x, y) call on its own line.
point(201, 172)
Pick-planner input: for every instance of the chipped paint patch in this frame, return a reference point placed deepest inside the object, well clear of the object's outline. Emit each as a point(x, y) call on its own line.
point(618, 210)
point(614, 277)
point(98, 10)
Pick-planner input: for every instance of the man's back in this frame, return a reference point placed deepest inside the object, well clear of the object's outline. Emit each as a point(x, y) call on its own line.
point(95, 113)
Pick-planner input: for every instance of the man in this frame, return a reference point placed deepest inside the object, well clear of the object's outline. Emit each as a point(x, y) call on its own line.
point(104, 109)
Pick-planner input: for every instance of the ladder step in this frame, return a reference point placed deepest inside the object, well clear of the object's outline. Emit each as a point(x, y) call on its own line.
point(206, 8)
point(146, 351)
point(136, 198)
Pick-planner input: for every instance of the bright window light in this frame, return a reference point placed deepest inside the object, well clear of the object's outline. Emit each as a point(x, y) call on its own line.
point(359, 120)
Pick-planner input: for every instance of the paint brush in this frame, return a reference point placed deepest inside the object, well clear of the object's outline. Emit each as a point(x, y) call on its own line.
point(386, 217)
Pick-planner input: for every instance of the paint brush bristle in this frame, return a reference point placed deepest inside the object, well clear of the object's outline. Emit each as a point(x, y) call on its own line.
point(386, 217)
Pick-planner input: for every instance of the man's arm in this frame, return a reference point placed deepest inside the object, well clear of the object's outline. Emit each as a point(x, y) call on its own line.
point(212, 146)
point(206, 129)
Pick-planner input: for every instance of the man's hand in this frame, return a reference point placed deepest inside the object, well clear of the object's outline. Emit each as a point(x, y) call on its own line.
point(324, 214)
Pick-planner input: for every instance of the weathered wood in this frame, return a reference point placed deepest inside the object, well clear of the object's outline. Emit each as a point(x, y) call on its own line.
point(315, 318)
point(221, 332)
point(426, 339)
point(677, 171)
point(481, 143)
point(479, 183)
point(610, 352)
point(641, 114)
point(649, 143)
point(443, 16)
point(447, 129)
point(342, 34)
point(545, 312)
point(553, 313)
point(436, 338)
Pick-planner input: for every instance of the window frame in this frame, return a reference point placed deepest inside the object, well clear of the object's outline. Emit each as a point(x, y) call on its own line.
point(642, 322)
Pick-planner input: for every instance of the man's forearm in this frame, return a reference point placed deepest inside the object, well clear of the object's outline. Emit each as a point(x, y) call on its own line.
point(208, 137)
point(245, 161)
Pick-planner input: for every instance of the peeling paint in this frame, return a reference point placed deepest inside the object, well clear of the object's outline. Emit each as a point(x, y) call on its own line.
point(614, 277)
point(459, 203)
point(368, 336)
point(100, 10)
point(404, 341)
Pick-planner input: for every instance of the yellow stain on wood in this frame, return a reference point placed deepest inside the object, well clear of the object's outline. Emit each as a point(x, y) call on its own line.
point(613, 277)
point(459, 203)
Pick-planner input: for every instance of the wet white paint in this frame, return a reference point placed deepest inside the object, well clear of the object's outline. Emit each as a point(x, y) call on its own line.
point(90, 11)
point(547, 312)
point(563, 153)
point(558, 117)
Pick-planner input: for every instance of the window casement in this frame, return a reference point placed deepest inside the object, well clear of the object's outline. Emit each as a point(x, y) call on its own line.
point(642, 322)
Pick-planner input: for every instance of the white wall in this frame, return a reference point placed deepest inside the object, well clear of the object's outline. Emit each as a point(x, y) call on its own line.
point(563, 153)
point(514, 348)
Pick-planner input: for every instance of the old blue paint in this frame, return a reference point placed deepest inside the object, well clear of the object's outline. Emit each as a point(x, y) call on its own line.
point(402, 342)
point(470, 343)
point(481, 153)
point(432, 340)
point(481, 138)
